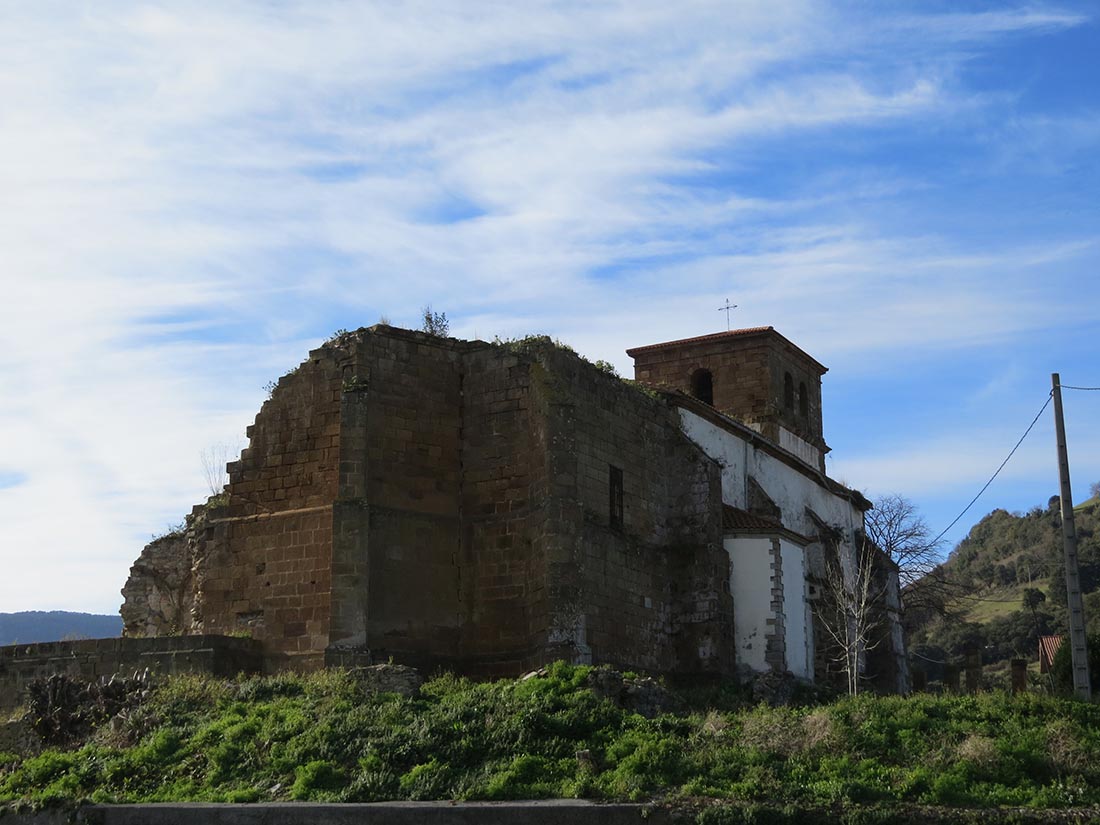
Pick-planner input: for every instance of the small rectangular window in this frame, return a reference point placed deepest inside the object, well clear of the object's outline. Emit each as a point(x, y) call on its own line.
point(615, 497)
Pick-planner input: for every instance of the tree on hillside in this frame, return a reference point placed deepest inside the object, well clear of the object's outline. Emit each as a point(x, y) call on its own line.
point(1033, 597)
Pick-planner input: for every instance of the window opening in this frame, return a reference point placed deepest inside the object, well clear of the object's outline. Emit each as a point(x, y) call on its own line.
point(702, 386)
point(788, 391)
point(615, 497)
point(803, 401)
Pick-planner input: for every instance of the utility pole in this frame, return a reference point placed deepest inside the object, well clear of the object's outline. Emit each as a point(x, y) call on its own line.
point(1078, 646)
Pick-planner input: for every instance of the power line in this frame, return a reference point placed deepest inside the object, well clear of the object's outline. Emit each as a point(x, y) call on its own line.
point(1092, 389)
point(998, 472)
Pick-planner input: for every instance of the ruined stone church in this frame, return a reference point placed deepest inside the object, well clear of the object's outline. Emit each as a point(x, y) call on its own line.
point(490, 507)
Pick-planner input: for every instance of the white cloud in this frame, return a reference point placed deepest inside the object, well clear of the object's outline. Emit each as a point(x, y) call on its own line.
point(193, 196)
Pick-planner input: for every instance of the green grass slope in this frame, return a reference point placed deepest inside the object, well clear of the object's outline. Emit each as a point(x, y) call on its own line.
point(323, 738)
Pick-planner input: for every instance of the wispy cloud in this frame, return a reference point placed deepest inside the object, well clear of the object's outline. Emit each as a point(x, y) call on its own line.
point(193, 197)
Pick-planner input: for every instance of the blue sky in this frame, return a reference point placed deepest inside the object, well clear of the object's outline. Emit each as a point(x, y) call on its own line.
point(194, 195)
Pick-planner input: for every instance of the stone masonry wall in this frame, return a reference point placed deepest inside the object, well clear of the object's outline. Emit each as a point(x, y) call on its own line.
point(471, 526)
point(412, 440)
point(93, 659)
point(263, 561)
point(433, 561)
point(646, 593)
point(748, 380)
point(504, 587)
point(446, 503)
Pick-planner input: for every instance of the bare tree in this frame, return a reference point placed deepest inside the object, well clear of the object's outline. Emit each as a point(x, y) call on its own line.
point(895, 525)
point(898, 529)
point(851, 610)
point(214, 459)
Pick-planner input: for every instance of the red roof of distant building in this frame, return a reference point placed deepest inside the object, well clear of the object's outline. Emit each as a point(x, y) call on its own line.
point(720, 336)
point(1048, 646)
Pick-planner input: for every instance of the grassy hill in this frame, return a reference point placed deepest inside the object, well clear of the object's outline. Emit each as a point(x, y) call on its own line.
point(326, 737)
point(55, 625)
point(1004, 556)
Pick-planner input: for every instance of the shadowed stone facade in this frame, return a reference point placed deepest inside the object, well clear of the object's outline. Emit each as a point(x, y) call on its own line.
point(489, 508)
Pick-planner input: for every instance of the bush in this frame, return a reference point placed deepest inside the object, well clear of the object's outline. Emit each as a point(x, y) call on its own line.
point(1061, 670)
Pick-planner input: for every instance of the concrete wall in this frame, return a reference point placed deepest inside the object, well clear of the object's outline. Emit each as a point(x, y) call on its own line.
point(93, 659)
point(525, 812)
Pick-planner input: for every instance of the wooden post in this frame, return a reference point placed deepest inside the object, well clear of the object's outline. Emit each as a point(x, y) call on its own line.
point(920, 680)
point(951, 678)
point(1082, 685)
point(973, 670)
point(1019, 675)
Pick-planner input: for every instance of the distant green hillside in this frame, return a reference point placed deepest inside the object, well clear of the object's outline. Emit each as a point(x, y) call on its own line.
point(55, 625)
point(990, 571)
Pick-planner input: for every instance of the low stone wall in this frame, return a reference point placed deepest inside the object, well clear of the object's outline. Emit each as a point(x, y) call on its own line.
point(543, 812)
point(93, 659)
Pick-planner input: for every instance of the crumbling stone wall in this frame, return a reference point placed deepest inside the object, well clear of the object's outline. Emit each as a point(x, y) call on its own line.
point(93, 659)
point(446, 503)
point(257, 560)
point(263, 563)
point(159, 594)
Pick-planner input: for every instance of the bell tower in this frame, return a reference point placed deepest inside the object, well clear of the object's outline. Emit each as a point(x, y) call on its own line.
point(754, 375)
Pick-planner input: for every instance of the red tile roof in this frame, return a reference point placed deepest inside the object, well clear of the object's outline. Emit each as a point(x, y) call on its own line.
point(1048, 646)
point(721, 336)
point(734, 518)
point(714, 336)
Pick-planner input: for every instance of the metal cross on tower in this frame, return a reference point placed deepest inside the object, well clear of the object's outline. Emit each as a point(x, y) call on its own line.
point(727, 309)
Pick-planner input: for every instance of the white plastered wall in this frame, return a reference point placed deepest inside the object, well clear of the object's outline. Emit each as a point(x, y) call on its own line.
point(795, 493)
point(750, 585)
point(791, 490)
point(796, 609)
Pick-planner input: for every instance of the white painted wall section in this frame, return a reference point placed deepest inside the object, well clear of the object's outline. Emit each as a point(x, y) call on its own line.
point(796, 610)
point(801, 448)
point(750, 584)
point(789, 488)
